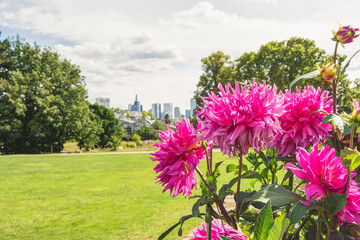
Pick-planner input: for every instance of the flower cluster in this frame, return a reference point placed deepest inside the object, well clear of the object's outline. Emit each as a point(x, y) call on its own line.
point(326, 175)
point(178, 156)
point(240, 118)
point(345, 34)
point(301, 121)
point(217, 228)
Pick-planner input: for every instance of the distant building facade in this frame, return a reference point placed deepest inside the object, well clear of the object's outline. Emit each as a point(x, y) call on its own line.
point(156, 110)
point(177, 113)
point(192, 107)
point(168, 109)
point(103, 102)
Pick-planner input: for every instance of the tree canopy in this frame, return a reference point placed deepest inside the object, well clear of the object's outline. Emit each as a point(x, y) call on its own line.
point(42, 98)
point(276, 62)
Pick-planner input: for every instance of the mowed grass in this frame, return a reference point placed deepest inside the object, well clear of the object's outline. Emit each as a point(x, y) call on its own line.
point(92, 196)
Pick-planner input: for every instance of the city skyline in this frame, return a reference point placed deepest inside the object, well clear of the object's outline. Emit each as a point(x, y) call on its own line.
point(154, 48)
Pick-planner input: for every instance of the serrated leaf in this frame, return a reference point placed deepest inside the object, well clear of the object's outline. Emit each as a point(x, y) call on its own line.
point(309, 75)
point(350, 158)
point(278, 195)
point(200, 202)
point(334, 203)
point(298, 211)
point(280, 225)
point(336, 120)
point(264, 223)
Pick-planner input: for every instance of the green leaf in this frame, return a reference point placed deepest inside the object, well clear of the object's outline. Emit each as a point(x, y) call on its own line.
point(223, 238)
point(180, 222)
point(334, 203)
point(298, 211)
point(278, 195)
point(250, 174)
point(286, 177)
point(309, 75)
point(348, 63)
point(244, 199)
point(336, 120)
point(264, 223)
point(200, 202)
point(280, 225)
point(232, 168)
point(350, 158)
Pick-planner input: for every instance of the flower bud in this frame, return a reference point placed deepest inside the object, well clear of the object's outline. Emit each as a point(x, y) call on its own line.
point(356, 112)
point(345, 34)
point(328, 72)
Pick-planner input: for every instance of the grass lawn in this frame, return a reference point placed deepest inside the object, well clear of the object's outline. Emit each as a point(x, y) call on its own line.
point(89, 196)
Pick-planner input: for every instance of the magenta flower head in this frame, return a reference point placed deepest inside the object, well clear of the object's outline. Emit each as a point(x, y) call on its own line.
point(300, 125)
point(356, 112)
point(345, 34)
point(322, 169)
point(178, 156)
point(350, 213)
point(241, 118)
point(218, 229)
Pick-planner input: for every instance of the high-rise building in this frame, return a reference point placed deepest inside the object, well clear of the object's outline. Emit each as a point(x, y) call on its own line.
point(136, 107)
point(168, 109)
point(156, 110)
point(177, 113)
point(103, 102)
point(192, 107)
point(187, 113)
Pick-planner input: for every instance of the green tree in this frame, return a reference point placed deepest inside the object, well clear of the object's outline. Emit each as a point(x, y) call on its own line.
point(217, 68)
point(157, 125)
point(148, 133)
point(42, 98)
point(112, 132)
point(281, 62)
point(167, 119)
point(145, 114)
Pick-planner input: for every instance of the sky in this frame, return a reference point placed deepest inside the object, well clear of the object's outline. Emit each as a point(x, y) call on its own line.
point(153, 48)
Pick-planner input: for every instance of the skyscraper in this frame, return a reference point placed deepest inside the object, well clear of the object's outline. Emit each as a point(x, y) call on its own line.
point(177, 113)
point(187, 113)
point(136, 106)
point(192, 107)
point(156, 110)
point(103, 102)
point(168, 109)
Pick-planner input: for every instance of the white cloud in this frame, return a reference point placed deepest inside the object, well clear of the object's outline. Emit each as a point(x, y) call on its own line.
point(110, 61)
point(259, 1)
point(203, 13)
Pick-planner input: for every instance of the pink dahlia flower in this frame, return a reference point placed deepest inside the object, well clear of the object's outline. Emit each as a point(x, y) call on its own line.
point(322, 169)
point(178, 156)
point(350, 213)
point(217, 228)
point(241, 118)
point(356, 112)
point(300, 126)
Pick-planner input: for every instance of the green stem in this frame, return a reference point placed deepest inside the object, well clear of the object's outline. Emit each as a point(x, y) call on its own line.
point(297, 232)
point(334, 83)
point(318, 232)
point(353, 130)
point(209, 223)
point(238, 188)
point(217, 200)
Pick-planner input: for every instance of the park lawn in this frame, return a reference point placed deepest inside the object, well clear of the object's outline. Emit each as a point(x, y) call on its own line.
point(92, 196)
